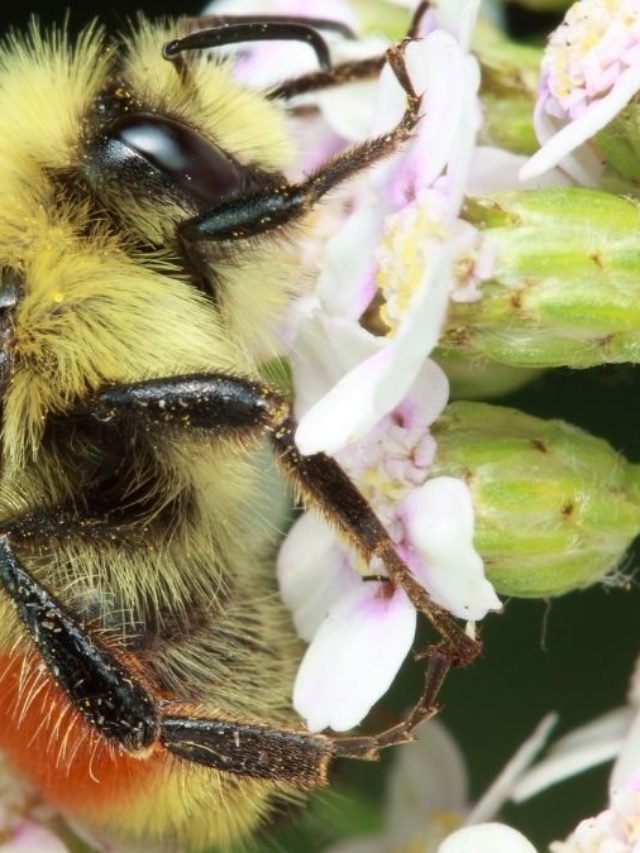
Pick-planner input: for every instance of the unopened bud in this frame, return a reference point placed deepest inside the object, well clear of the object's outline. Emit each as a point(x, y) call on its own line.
point(564, 284)
point(555, 508)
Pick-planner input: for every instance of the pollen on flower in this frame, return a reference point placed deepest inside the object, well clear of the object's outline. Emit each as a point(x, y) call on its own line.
point(402, 256)
point(394, 459)
point(587, 54)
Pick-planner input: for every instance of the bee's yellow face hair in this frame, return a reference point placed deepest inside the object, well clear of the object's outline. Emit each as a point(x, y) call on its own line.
point(97, 300)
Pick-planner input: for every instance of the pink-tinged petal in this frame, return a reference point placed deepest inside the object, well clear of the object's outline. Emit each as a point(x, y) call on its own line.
point(457, 17)
point(443, 103)
point(314, 572)
point(502, 788)
point(427, 777)
point(372, 389)
point(29, 837)
point(326, 349)
point(438, 518)
point(574, 133)
point(354, 657)
point(487, 838)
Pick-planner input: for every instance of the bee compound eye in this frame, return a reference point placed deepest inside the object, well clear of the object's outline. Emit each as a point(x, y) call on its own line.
point(189, 163)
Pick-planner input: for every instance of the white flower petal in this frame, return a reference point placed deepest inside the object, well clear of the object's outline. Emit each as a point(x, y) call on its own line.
point(314, 572)
point(438, 517)
point(372, 389)
point(443, 104)
point(346, 283)
point(324, 350)
point(457, 17)
point(628, 760)
point(501, 789)
point(497, 170)
point(428, 776)
point(353, 658)
point(426, 398)
point(586, 747)
point(487, 838)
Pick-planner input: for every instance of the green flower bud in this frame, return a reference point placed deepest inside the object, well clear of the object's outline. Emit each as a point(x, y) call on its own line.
point(508, 91)
point(555, 507)
point(564, 287)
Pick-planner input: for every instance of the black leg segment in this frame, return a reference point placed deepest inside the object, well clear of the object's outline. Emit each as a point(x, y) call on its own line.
point(97, 684)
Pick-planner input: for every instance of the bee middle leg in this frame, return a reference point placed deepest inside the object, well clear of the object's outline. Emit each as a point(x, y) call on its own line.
point(228, 407)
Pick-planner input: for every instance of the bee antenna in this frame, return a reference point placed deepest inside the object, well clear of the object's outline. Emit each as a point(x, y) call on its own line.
point(256, 29)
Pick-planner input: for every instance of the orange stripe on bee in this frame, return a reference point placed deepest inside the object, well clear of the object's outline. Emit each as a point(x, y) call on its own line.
point(46, 740)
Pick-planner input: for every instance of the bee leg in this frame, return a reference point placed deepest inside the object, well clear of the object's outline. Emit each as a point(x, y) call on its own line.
point(242, 409)
point(97, 684)
point(248, 216)
point(117, 706)
point(288, 755)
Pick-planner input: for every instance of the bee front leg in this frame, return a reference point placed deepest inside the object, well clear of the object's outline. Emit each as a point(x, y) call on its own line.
point(248, 216)
point(228, 407)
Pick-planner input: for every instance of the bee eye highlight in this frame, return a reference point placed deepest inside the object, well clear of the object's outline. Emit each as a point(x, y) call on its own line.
point(191, 163)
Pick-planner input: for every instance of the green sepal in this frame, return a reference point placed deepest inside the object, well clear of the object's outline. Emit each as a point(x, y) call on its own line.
point(555, 508)
point(565, 285)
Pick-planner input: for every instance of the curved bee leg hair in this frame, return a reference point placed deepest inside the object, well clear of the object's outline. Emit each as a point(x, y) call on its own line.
point(248, 216)
point(234, 408)
point(121, 709)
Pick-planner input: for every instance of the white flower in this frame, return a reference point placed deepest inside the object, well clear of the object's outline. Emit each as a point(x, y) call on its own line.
point(403, 240)
point(590, 72)
point(360, 630)
point(427, 806)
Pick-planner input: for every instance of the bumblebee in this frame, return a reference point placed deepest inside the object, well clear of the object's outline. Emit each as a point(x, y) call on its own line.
point(147, 664)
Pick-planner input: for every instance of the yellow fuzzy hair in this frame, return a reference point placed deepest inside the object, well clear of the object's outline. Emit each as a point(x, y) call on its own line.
point(95, 312)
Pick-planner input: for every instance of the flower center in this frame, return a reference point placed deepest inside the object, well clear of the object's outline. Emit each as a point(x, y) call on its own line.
point(393, 460)
point(597, 41)
point(403, 255)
